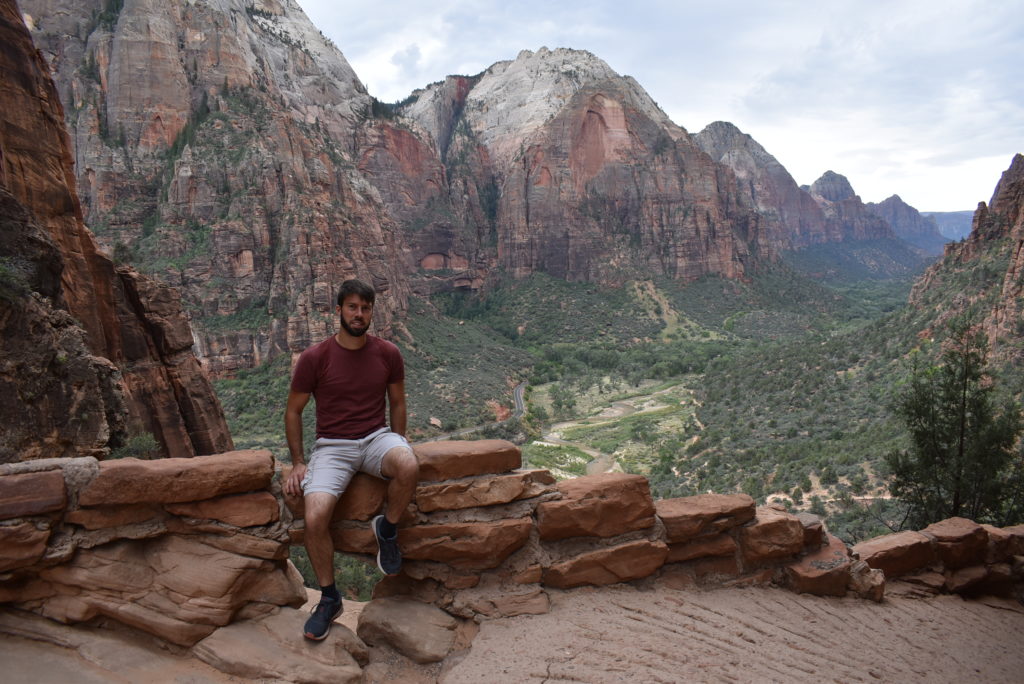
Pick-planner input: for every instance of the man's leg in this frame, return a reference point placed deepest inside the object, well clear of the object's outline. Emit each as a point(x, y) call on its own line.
point(403, 472)
point(400, 467)
point(319, 508)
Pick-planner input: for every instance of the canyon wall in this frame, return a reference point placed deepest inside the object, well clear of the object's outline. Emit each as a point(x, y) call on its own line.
point(95, 353)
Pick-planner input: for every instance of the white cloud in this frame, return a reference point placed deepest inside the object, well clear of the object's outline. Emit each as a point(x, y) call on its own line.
point(922, 98)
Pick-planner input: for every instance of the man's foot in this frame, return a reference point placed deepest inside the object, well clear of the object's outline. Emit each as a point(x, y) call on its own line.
point(389, 558)
point(319, 624)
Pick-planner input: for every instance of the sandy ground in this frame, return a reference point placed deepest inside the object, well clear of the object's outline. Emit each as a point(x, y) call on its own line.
point(623, 634)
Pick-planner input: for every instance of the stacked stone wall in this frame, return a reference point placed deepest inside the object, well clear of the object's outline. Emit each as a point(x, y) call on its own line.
point(181, 547)
point(175, 547)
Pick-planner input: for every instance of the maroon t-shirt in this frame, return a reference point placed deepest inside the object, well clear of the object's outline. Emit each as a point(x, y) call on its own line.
point(349, 386)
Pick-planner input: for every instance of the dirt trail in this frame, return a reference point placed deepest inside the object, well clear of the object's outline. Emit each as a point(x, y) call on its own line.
point(748, 635)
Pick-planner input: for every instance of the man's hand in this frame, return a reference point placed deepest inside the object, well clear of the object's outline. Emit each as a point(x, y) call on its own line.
point(293, 485)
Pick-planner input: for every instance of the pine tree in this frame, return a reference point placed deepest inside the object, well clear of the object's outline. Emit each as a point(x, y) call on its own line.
point(962, 461)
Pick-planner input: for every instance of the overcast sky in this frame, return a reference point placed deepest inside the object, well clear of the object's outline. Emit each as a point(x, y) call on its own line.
point(924, 99)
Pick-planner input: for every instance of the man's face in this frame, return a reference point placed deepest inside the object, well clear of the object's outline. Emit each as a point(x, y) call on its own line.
point(355, 314)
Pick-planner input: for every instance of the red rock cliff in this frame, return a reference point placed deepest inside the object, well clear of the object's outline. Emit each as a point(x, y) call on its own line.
point(128, 319)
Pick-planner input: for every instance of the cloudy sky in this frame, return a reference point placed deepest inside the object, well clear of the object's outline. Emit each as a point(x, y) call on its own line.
point(924, 99)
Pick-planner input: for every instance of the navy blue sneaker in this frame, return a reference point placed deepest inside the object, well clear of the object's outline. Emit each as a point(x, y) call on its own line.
point(389, 557)
point(319, 624)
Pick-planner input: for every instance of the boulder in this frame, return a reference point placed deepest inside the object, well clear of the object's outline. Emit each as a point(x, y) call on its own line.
point(608, 565)
point(694, 516)
point(772, 535)
point(1016, 544)
point(483, 491)
point(173, 480)
point(959, 542)
point(702, 547)
point(240, 510)
point(824, 572)
point(964, 579)
point(866, 582)
point(814, 530)
point(603, 505)
point(455, 459)
point(418, 631)
point(361, 500)
point(999, 541)
point(271, 649)
point(31, 494)
point(897, 554)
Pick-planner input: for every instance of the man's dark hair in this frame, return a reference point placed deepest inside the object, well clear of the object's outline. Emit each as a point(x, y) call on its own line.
point(356, 287)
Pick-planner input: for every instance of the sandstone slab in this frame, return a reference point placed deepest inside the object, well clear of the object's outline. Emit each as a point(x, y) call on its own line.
point(173, 480)
point(494, 602)
point(21, 545)
point(897, 554)
point(113, 516)
point(240, 510)
point(772, 535)
point(694, 516)
point(702, 547)
point(964, 579)
point(418, 631)
point(455, 459)
point(469, 545)
point(31, 494)
point(824, 572)
point(273, 649)
point(814, 530)
point(959, 542)
point(609, 565)
point(603, 505)
point(483, 491)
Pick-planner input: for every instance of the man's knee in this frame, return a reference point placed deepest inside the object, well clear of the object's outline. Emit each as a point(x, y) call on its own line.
point(400, 463)
point(319, 507)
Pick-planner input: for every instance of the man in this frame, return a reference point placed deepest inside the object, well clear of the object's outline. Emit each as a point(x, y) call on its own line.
point(349, 375)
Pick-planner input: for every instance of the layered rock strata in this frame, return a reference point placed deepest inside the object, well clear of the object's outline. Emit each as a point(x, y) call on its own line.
point(908, 224)
point(155, 384)
point(180, 548)
point(175, 547)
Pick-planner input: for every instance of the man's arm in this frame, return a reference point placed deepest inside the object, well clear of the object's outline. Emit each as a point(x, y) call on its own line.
point(396, 402)
point(293, 433)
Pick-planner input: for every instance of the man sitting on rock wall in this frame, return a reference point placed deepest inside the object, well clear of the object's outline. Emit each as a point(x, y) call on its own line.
point(349, 375)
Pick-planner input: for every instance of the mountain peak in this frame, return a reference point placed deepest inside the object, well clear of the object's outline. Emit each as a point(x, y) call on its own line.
point(833, 187)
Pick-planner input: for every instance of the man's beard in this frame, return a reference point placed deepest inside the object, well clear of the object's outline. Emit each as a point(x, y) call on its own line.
point(354, 332)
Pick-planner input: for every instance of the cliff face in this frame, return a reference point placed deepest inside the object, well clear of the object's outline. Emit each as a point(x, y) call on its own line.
point(790, 217)
point(121, 363)
point(851, 218)
point(222, 146)
point(992, 257)
point(910, 225)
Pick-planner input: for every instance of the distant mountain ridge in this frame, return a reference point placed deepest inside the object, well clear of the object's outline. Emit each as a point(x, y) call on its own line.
point(229, 148)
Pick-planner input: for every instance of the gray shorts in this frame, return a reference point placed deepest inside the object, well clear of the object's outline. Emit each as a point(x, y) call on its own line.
point(333, 462)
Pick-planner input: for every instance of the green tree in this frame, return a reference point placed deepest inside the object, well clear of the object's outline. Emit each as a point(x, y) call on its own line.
point(962, 460)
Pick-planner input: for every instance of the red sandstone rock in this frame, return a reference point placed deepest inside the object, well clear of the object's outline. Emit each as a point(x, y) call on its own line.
point(597, 506)
point(21, 545)
point(772, 535)
point(897, 554)
point(814, 531)
point(608, 565)
point(999, 541)
point(31, 493)
point(454, 459)
point(693, 516)
point(175, 480)
point(866, 582)
point(113, 516)
point(824, 572)
point(483, 491)
point(240, 510)
point(470, 545)
point(959, 542)
point(493, 602)
point(964, 579)
point(1016, 544)
point(416, 630)
point(712, 545)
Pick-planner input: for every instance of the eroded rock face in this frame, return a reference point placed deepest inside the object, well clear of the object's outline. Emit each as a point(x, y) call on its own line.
point(908, 224)
point(130, 320)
